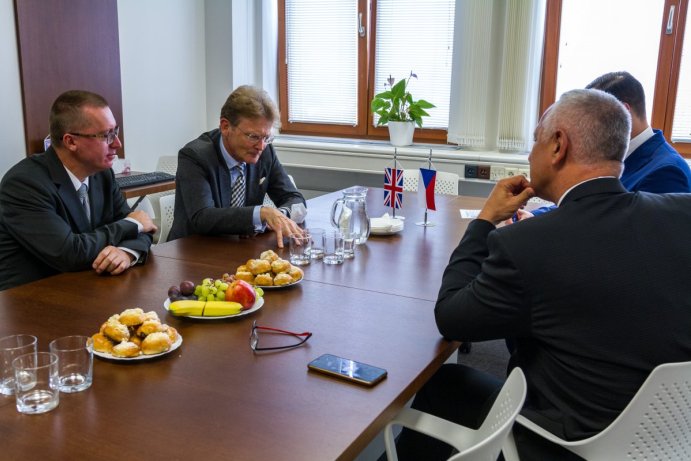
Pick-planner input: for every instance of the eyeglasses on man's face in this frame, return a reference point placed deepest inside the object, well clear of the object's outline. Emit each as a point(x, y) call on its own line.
point(300, 338)
point(108, 137)
point(255, 138)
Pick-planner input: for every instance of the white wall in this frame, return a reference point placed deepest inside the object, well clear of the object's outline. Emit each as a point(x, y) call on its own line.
point(12, 147)
point(163, 69)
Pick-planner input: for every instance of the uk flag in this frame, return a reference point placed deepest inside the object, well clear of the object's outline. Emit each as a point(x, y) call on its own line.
point(393, 188)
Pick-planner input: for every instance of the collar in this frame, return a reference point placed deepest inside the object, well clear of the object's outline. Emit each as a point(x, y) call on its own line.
point(636, 142)
point(75, 181)
point(578, 184)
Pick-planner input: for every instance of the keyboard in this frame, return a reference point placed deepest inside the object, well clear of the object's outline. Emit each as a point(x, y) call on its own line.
point(143, 179)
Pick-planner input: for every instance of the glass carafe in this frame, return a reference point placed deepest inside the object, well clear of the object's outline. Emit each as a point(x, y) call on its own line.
point(349, 214)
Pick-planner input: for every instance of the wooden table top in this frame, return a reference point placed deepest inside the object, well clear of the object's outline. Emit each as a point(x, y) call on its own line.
point(214, 398)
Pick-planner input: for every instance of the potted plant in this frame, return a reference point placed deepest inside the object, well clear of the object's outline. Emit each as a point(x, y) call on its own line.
point(397, 109)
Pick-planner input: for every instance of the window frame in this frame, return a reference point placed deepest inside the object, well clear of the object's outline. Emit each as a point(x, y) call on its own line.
point(667, 75)
point(366, 60)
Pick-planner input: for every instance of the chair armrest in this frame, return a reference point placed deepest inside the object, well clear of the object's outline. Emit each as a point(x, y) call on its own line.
point(454, 434)
point(525, 422)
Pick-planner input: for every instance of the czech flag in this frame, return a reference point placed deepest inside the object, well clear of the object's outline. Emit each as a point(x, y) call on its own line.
point(393, 188)
point(429, 177)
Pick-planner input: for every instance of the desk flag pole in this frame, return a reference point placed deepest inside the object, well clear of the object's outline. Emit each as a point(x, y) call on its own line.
point(429, 179)
point(393, 186)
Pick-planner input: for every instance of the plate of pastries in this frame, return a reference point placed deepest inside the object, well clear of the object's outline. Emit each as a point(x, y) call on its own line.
point(269, 271)
point(135, 335)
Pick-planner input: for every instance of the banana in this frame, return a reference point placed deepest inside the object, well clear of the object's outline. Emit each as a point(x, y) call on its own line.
point(187, 307)
point(204, 309)
point(218, 308)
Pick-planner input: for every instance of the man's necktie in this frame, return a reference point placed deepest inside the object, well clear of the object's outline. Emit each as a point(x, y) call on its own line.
point(84, 198)
point(238, 191)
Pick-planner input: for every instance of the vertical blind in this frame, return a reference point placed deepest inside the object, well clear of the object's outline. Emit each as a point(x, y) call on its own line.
point(322, 60)
point(417, 36)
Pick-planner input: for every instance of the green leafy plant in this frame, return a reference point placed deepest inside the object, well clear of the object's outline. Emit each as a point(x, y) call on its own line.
point(398, 105)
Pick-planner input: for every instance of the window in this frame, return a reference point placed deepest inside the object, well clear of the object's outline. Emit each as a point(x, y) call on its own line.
point(644, 37)
point(334, 56)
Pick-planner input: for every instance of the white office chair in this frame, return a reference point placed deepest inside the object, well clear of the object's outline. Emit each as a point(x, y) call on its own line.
point(167, 164)
point(446, 183)
point(656, 424)
point(167, 211)
point(268, 202)
point(484, 443)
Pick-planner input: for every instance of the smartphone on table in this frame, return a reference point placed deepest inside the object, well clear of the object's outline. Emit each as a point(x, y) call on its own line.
point(350, 370)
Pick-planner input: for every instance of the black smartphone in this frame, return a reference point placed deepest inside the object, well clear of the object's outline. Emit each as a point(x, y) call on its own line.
point(351, 370)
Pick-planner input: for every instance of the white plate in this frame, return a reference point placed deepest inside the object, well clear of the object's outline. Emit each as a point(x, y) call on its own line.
point(257, 305)
point(175, 345)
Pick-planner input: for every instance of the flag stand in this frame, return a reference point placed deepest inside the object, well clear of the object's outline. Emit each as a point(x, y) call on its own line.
point(426, 223)
point(395, 165)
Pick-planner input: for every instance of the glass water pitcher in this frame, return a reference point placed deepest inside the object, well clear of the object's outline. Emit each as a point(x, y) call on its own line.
point(349, 214)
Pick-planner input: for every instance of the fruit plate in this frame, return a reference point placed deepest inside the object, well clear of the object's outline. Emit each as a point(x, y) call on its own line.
point(105, 355)
point(255, 307)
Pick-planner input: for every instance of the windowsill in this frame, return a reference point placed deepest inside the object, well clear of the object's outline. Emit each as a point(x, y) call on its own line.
point(373, 148)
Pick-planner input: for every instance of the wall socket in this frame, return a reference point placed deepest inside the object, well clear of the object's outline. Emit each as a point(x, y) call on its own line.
point(510, 171)
point(497, 172)
point(470, 171)
point(483, 171)
point(525, 172)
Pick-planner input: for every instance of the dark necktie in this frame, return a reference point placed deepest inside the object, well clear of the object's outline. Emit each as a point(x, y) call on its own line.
point(238, 191)
point(84, 199)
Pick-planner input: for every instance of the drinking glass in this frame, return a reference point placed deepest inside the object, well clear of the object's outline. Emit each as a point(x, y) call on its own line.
point(12, 347)
point(300, 249)
point(36, 382)
point(75, 362)
point(333, 247)
point(317, 242)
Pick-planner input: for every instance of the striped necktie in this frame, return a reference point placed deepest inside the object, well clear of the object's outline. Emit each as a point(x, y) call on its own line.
point(238, 192)
point(84, 199)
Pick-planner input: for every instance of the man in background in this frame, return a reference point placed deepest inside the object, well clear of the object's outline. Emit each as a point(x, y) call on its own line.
point(650, 163)
point(594, 293)
point(61, 210)
point(224, 174)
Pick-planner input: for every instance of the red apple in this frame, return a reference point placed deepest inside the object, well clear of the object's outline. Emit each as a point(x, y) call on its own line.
point(241, 292)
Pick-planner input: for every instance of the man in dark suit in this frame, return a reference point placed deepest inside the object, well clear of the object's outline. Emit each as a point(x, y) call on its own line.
point(594, 293)
point(650, 164)
point(61, 210)
point(224, 174)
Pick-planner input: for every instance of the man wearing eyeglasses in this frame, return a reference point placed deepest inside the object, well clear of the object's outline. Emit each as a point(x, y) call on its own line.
point(61, 211)
point(224, 175)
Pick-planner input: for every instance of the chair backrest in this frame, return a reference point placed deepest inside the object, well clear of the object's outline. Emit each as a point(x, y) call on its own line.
point(167, 211)
point(446, 183)
point(268, 202)
point(656, 424)
point(167, 164)
point(490, 437)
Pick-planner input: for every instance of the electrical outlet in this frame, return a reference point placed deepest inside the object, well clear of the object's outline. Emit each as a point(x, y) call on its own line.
point(525, 172)
point(510, 171)
point(471, 171)
point(483, 171)
point(497, 172)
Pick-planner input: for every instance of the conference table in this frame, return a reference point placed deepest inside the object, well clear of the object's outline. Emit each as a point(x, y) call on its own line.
point(214, 398)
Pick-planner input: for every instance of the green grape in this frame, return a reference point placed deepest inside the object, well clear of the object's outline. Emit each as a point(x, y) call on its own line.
point(217, 283)
point(223, 286)
point(205, 291)
point(211, 298)
point(197, 290)
point(213, 290)
point(207, 282)
point(221, 295)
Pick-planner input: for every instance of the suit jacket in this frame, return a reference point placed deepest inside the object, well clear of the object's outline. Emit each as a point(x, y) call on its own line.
point(595, 294)
point(43, 227)
point(656, 167)
point(653, 167)
point(203, 189)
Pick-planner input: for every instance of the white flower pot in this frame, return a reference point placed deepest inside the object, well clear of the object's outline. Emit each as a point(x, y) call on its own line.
point(401, 133)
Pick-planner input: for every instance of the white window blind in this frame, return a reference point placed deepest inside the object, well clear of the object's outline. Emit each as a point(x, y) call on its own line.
point(417, 36)
point(322, 61)
point(681, 128)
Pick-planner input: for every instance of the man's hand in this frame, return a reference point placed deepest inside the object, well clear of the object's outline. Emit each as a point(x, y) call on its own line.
point(144, 220)
point(506, 198)
point(112, 260)
point(279, 223)
point(520, 215)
